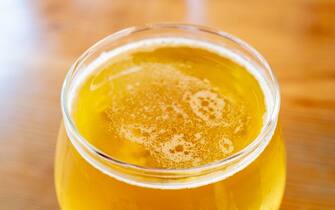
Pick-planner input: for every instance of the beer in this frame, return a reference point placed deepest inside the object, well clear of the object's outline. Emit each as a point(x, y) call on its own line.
point(169, 104)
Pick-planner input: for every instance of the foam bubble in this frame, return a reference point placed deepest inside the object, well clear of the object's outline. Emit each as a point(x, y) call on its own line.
point(173, 109)
point(208, 106)
point(198, 136)
point(177, 149)
point(226, 145)
point(137, 133)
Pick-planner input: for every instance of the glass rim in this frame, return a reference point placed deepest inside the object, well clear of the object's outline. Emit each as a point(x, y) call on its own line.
point(268, 127)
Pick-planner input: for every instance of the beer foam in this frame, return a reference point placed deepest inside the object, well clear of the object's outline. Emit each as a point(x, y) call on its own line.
point(226, 145)
point(153, 43)
point(174, 122)
point(177, 149)
point(137, 133)
point(208, 106)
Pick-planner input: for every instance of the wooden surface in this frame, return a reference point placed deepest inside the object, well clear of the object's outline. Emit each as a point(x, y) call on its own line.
point(39, 40)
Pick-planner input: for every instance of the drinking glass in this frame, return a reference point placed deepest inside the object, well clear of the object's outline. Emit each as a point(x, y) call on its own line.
point(86, 178)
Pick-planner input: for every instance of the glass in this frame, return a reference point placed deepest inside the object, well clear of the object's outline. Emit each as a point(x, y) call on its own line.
point(253, 178)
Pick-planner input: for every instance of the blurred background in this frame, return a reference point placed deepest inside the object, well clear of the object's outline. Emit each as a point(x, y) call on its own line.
point(40, 39)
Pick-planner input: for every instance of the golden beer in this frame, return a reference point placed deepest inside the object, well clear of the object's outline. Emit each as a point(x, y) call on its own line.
point(166, 120)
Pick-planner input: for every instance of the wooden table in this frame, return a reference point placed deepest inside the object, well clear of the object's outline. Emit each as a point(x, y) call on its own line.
point(39, 40)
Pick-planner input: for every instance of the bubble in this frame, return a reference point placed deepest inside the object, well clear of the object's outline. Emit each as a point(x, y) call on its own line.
point(130, 88)
point(226, 145)
point(177, 149)
point(173, 109)
point(197, 136)
point(208, 106)
point(137, 133)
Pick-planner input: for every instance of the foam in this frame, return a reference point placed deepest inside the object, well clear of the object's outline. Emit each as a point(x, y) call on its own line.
point(177, 149)
point(174, 130)
point(150, 44)
point(168, 146)
point(175, 108)
point(208, 106)
point(226, 145)
point(137, 133)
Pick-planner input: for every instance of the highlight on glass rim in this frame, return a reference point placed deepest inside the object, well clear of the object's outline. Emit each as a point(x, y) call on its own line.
point(170, 117)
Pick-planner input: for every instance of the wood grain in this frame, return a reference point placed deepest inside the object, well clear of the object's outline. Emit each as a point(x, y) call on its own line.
point(39, 39)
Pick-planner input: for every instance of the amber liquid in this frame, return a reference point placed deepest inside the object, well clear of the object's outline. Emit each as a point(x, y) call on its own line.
point(169, 106)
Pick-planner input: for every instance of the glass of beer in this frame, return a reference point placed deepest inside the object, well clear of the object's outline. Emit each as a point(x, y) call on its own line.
point(170, 117)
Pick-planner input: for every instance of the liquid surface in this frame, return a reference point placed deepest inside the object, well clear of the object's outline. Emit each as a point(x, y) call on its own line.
point(169, 107)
